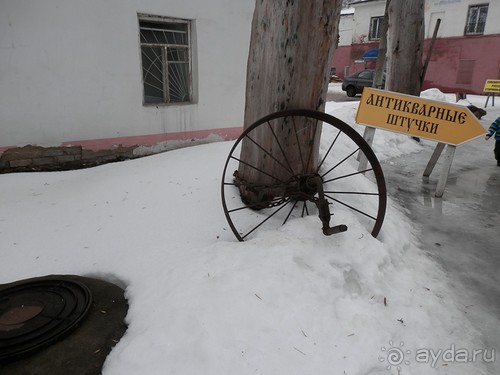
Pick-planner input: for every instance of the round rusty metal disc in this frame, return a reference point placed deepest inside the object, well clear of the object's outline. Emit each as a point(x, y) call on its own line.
point(37, 312)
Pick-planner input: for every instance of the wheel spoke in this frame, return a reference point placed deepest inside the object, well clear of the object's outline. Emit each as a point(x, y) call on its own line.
point(328, 152)
point(351, 207)
point(289, 213)
point(339, 163)
point(255, 205)
point(348, 175)
point(257, 169)
point(304, 209)
point(309, 158)
point(280, 147)
point(272, 157)
point(350, 192)
point(262, 222)
point(298, 145)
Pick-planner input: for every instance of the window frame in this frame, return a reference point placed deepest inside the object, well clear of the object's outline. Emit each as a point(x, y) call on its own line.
point(166, 49)
point(379, 20)
point(365, 74)
point(476, 23)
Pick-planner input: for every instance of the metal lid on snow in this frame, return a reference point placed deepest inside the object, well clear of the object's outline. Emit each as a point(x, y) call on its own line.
point(37, 312)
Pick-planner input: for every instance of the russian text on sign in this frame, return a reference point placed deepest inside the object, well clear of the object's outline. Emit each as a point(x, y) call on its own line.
point(439, 121)
point(415, 108)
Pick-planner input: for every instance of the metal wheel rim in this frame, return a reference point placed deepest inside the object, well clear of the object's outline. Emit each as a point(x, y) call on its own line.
point(343, 129)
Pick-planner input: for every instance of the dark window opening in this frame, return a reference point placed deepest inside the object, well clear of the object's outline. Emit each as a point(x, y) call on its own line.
point(375, 28)
point(476, 19)
point(166, 63)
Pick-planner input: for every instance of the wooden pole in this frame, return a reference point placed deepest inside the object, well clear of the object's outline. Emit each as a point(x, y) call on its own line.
point(443, 178)
point(433, 160)
point(429, 54)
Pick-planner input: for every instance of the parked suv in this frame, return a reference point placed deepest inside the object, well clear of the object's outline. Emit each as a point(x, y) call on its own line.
point(354, 84)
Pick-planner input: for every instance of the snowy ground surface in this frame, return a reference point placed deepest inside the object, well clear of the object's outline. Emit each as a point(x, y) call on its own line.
point(287, 301)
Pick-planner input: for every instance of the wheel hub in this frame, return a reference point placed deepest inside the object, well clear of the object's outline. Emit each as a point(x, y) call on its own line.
point(303, 188)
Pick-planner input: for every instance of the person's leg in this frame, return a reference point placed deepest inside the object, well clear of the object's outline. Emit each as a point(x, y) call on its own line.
point(497, 151)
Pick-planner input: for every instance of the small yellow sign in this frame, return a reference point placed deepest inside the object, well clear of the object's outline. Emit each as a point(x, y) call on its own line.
point(447, 123)
point(492, 85)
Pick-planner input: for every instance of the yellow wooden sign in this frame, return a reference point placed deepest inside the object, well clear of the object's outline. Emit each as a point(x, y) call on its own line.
point(492, 85)
point(429, 119)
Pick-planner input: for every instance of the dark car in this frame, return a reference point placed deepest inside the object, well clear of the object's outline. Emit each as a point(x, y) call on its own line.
point(354, 84)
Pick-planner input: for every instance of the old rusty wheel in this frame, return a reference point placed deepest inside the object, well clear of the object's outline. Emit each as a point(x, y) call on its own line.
point(334, 186)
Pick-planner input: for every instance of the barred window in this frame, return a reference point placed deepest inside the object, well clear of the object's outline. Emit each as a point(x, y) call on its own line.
point(476, 19)
point(375, 28)
point(166, 62)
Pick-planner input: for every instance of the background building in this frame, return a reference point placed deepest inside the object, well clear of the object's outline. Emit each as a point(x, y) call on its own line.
point(466, 52)
point(88, 81)
point(118, 77)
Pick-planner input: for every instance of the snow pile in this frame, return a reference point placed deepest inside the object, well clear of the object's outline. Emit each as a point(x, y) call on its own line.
point(434, 94)
point(287, 301)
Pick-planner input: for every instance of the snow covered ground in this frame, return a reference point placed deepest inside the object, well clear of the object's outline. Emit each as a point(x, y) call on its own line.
point(287, 301)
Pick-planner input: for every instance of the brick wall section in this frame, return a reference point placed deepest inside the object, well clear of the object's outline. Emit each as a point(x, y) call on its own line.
point(35, 158)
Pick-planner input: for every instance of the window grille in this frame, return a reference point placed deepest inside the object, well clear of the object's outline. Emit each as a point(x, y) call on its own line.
point(166, 62)
point(476, 19)
point(375, 28)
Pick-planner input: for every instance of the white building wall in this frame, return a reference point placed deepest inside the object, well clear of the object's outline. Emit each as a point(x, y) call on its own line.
point(453, 14)
point(362, 15)
point(346, 27)
point(71, 70)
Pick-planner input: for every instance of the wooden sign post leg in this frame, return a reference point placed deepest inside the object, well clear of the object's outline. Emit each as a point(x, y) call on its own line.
point(448, 159)
point(368, 136)
point(433, 160)
point(492, 96)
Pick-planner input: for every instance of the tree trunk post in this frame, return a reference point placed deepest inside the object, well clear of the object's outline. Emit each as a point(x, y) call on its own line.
point(382, 50)
point(291, 49)
point(405, 39)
